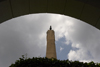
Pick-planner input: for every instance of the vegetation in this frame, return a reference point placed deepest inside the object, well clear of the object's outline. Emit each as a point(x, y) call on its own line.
point(45, 62)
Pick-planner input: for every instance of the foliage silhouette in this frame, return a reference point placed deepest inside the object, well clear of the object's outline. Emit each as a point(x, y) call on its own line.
point(46, 62)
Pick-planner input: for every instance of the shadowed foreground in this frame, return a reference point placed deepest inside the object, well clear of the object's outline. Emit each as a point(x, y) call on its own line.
point(45, 62)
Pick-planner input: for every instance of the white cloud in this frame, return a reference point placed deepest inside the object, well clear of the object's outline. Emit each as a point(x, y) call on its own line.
point(80, 55)
point(28, 35)
point(76, 45)
point(85, 39)
point(61, 48)
point(82, 35)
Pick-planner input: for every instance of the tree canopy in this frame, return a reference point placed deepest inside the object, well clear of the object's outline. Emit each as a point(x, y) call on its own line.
point(41, 62)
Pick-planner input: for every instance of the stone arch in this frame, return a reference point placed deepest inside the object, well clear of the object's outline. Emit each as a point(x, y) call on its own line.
point(85, 10)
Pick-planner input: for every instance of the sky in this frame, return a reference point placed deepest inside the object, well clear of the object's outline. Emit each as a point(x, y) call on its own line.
point(26, 35)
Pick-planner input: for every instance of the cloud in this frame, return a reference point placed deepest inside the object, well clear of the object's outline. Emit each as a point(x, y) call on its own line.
point(18, 37)
point(61, 48)
point(82, 36)
point(86, 38)
point(27, 34)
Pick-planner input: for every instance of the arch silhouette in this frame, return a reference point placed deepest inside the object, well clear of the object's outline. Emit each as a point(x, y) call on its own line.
point(85, 10)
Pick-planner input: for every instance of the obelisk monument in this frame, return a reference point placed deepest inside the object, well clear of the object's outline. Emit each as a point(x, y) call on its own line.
point(51, 49)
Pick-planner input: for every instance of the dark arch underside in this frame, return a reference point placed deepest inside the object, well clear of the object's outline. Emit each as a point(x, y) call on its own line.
point(85, 10)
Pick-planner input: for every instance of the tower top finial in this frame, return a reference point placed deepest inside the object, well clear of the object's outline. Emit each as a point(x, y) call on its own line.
point(50, 28)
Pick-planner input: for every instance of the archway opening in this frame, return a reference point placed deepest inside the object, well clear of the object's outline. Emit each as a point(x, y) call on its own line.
point(75, 39)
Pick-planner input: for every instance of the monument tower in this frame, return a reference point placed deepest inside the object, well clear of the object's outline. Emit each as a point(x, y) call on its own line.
point(51, 50)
